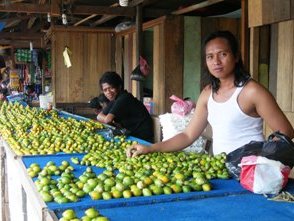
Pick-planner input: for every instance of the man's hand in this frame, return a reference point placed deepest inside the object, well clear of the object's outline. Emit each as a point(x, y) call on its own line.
point(137, 149)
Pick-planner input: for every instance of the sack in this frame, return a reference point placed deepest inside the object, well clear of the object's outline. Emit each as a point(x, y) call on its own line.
point(280, 149)
point(263, 176)
point(181, 107)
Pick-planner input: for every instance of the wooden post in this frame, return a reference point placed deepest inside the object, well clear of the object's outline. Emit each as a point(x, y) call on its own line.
point(254, 52)
point(244, 34)
point(139, 39)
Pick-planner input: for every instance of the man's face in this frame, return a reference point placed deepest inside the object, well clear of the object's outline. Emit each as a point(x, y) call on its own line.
point(220, 59)
point(109, 91)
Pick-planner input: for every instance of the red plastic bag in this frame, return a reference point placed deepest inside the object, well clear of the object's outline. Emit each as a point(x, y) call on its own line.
point(262, 175)
point(180, 106)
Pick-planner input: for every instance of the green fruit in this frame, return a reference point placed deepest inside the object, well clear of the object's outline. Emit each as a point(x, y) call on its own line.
point(92, 213)
point(200, 180)
point(167, 190)
point(86, 218)
point(95, 195)
point(69, 214)
point(136, 191)
point(186, 189)
point(127, 194)
point(146, 192)
point(128, 181)
point(116, 193)
point(120, 187)
point(176, 188)
point(106, 195)
point(47, 197)
point(100, 218)
point(74, 160)
point(157, 190)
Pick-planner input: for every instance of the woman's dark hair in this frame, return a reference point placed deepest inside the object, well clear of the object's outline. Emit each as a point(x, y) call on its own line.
point(112, 78)
point(241, 75)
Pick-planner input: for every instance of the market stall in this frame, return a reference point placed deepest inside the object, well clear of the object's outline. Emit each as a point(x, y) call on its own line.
point(227, 200)
point(22, 198)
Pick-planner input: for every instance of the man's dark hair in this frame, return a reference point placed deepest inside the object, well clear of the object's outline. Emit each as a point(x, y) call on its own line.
point(241, 75)
point(112, 78)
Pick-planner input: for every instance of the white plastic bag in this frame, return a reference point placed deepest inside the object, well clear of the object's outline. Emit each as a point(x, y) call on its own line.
point(263, 176)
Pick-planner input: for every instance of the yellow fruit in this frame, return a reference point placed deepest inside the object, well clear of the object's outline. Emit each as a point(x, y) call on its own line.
point(206, 187)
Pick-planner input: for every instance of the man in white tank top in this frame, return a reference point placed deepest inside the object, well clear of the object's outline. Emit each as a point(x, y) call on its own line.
point(231, 127)
point(233, 103)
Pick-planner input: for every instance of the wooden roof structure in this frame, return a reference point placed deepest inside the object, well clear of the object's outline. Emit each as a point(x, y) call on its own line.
point(23, 20)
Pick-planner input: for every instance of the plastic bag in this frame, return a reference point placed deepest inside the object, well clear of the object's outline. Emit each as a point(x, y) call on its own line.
point(144, 67)
point(281, 149)
point(180, 106)
point(263, 176)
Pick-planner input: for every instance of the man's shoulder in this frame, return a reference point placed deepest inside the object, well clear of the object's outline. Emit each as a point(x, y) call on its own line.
point(253, 86)
point(125, 95)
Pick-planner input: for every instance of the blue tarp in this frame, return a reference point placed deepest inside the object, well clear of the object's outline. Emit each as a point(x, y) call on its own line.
point(220, 187)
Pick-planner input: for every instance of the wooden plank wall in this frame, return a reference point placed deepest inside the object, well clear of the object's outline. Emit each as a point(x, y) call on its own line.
point(263, 12)
point(158, 69)
point(91, 56)
point(282, 62)
point(285, 65)
point(173, 60)
point(285, 68)
point(167, 60)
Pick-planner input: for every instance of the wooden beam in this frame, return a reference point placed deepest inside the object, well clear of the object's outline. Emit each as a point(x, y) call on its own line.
point(196, 6)
point(21, 36)
point(101, 10)
point(22, 43)
point(10, 2)
point(31, 22)
point(85, 19)
point(81, 29)
point(78, 9)
point(106, 18)
point(26, 8)
point(143, 2)
point(54, 8)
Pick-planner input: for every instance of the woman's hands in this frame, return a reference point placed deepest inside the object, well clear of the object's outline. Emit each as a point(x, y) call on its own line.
point(137, 149)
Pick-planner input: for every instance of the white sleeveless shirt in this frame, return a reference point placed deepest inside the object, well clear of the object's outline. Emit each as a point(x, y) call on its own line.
point(231, 127)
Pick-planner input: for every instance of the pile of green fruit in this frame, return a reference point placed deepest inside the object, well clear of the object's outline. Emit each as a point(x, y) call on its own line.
point(91, 214)
point(36, 131)
point(146, 175)
point(31, 131)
